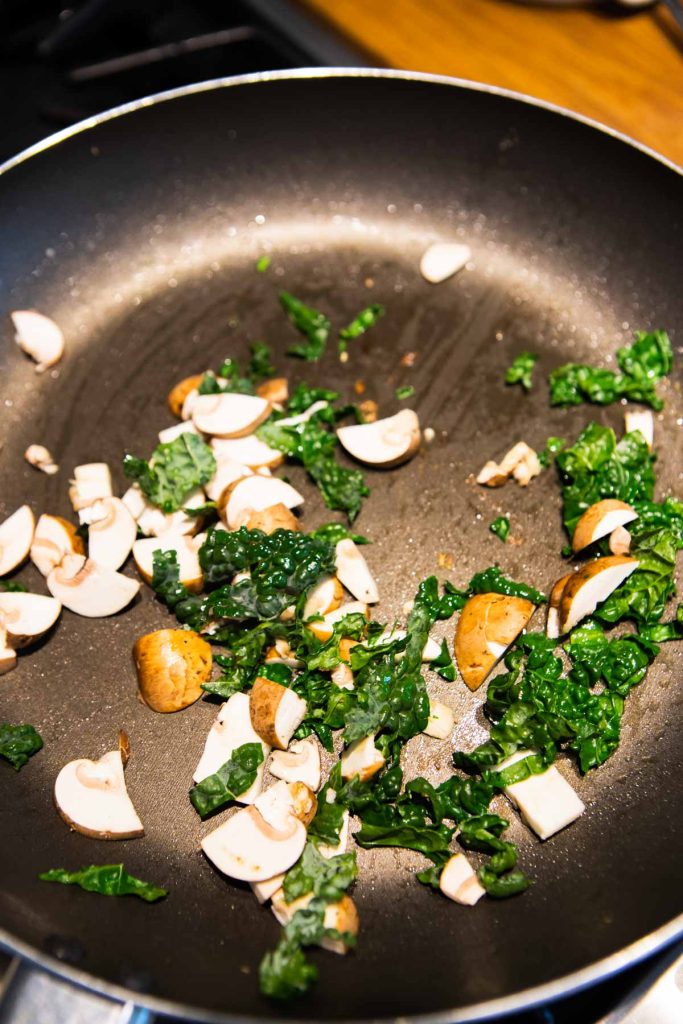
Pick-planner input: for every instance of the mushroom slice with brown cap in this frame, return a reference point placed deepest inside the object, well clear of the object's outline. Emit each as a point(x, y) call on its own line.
point(600, 520)
point(521, 462)
point(458, 881)
point(325, 596)
point(178, 394)
point(53, 540)
point(246, 847)
point(91, 797)
point(552, 626)
point(16, 534)
point(27, 617)
point(39, 337)
point(488, 624)
point(8, 656)
point(227, 472)
point(592, 585)
point(384, 443)
point(155, 523)
point(37, 455)
point(283, 800)
point(363, 759)
point(275, 390)
point(177, 430)
point(254, 494)
point(353, 572)
point(277, 517)
point(251, 451)
point(340, 916)
point(171, 666)
point(231, 729)
point(186, 550)
point(301, 763)
point(89, 589)
point(229, 414)
point(324, 628)
point(91, 482)
point(276, 712)
point(643, 421)
point(111, 538)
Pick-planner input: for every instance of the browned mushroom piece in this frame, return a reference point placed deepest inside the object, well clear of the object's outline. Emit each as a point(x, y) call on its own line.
point(178, 394)
point(277, 517)
point(171, 665)
point(487, 626)
point(276, 391)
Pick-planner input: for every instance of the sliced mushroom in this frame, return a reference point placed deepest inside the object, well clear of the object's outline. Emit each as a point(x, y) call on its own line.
point(264, 890)
point(458, 881)
point(191, 399)
point(89, 589)
point(275, 391)
point(340, 916)
point(552, 626)
point(384, 443)
point(324, 627)
point(176, 431)
point(600, 520)
point(443, 259)
point(250, 451)
point(171, 666)
point(282, 654)
point(430, 651)
point(325, 596)
point(155, 523)
point(363, 759)
point(135, 501)
point(340, 846)
point(521, 462)
point(277, 517)
point(342, 676)
point(284, 800)
point(592, 585)
point(53, 540)
point(441, 720)
point(178, 394)
point(231, 729)
point(111, 538)
point(620, 541)
point(488, 624)
point(546, 801)
point(353, 572)
point(301, 763)
point(246, 847)
point(254, 494)
point(642, 420)
point(276, 712)
point(38, 455)
point(39, 337)
point(16, 534)
point(229, 414)
point(227, 472)
point(8, 656)
point(91, 797)
point(25, 617)
point(186, 550)
point(91, 483)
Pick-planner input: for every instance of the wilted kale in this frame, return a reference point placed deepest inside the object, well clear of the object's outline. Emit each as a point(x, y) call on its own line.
point(230, 781)
point(174, 471)
point(230, 377)
point(310, 322)
point(18, 743)
point(501, 527)
point(641, 364)
point(359, 325)
point(521, 370)
point(407, 391)
point(106, 879)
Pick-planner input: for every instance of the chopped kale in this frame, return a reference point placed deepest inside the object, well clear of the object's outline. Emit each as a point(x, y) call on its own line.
point(174, 471)
point(18, 743)
point(521, 370)
point(106, 879)
point(407, 391)
point(310, 322)
point(501, 527)
point(230, 781)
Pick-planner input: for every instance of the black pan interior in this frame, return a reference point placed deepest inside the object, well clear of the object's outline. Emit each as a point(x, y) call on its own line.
point(140, 237)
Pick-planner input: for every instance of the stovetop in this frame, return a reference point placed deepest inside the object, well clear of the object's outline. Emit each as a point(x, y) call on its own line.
point(61, 62)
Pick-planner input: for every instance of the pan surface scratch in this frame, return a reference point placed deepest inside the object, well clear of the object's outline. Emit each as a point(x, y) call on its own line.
point(140, 237)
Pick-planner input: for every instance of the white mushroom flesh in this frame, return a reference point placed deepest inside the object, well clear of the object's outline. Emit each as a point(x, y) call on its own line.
point(301, 763)
point(155, 523)
point(619, 541)
point(37, 455)
point(546, 801)
point(39, 337)
point(231, 729)
point(91, 482)
point(353, 572)
point(26, 617)
point(246, 847)
point(229, 414)
point(251, 451)
point(92, 797)
point(642, 420)
point(8, 656)
point(458, 881)
point(441, 720)
point(339, 847)
point(324, 627)
point(443, 259)
point(89, 589)
point(176, 431)
point(361, 758)
point(322, 598)
point(186, 550)
point(16, 534)
point(111, 537)
point(52, 541)
point(386, 442)
point(303, 417)
point(596, 590)
point(256, 493)
point(227, 472)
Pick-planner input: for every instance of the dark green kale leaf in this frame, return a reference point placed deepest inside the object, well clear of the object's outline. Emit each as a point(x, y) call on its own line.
point(230, 781)
point(304, 396)
point(359, 325)
point(179, 467)
point(329, 817)
point(665, 631)
point(444, 664)
point(12, 587)
point(106, 879)
point(492, 581)
point(190, 609)
point(18, 743)
point(641, 364)
point(231, 378)
point(311, 322)
point(406, 391)
point(552, 446)
point(285, 972)
point(332, 533)
point(501, 527)
point(326, 877)
point(521, 370)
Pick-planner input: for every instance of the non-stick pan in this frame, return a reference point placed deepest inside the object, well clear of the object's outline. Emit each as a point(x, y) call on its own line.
point(138, 232)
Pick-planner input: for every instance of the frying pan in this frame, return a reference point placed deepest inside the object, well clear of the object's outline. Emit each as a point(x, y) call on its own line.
point(138, 232)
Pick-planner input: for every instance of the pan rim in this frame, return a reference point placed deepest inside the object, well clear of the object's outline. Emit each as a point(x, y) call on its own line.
point(569, 984)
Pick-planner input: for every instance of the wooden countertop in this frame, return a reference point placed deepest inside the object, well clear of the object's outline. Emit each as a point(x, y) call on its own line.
point(623, 70)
